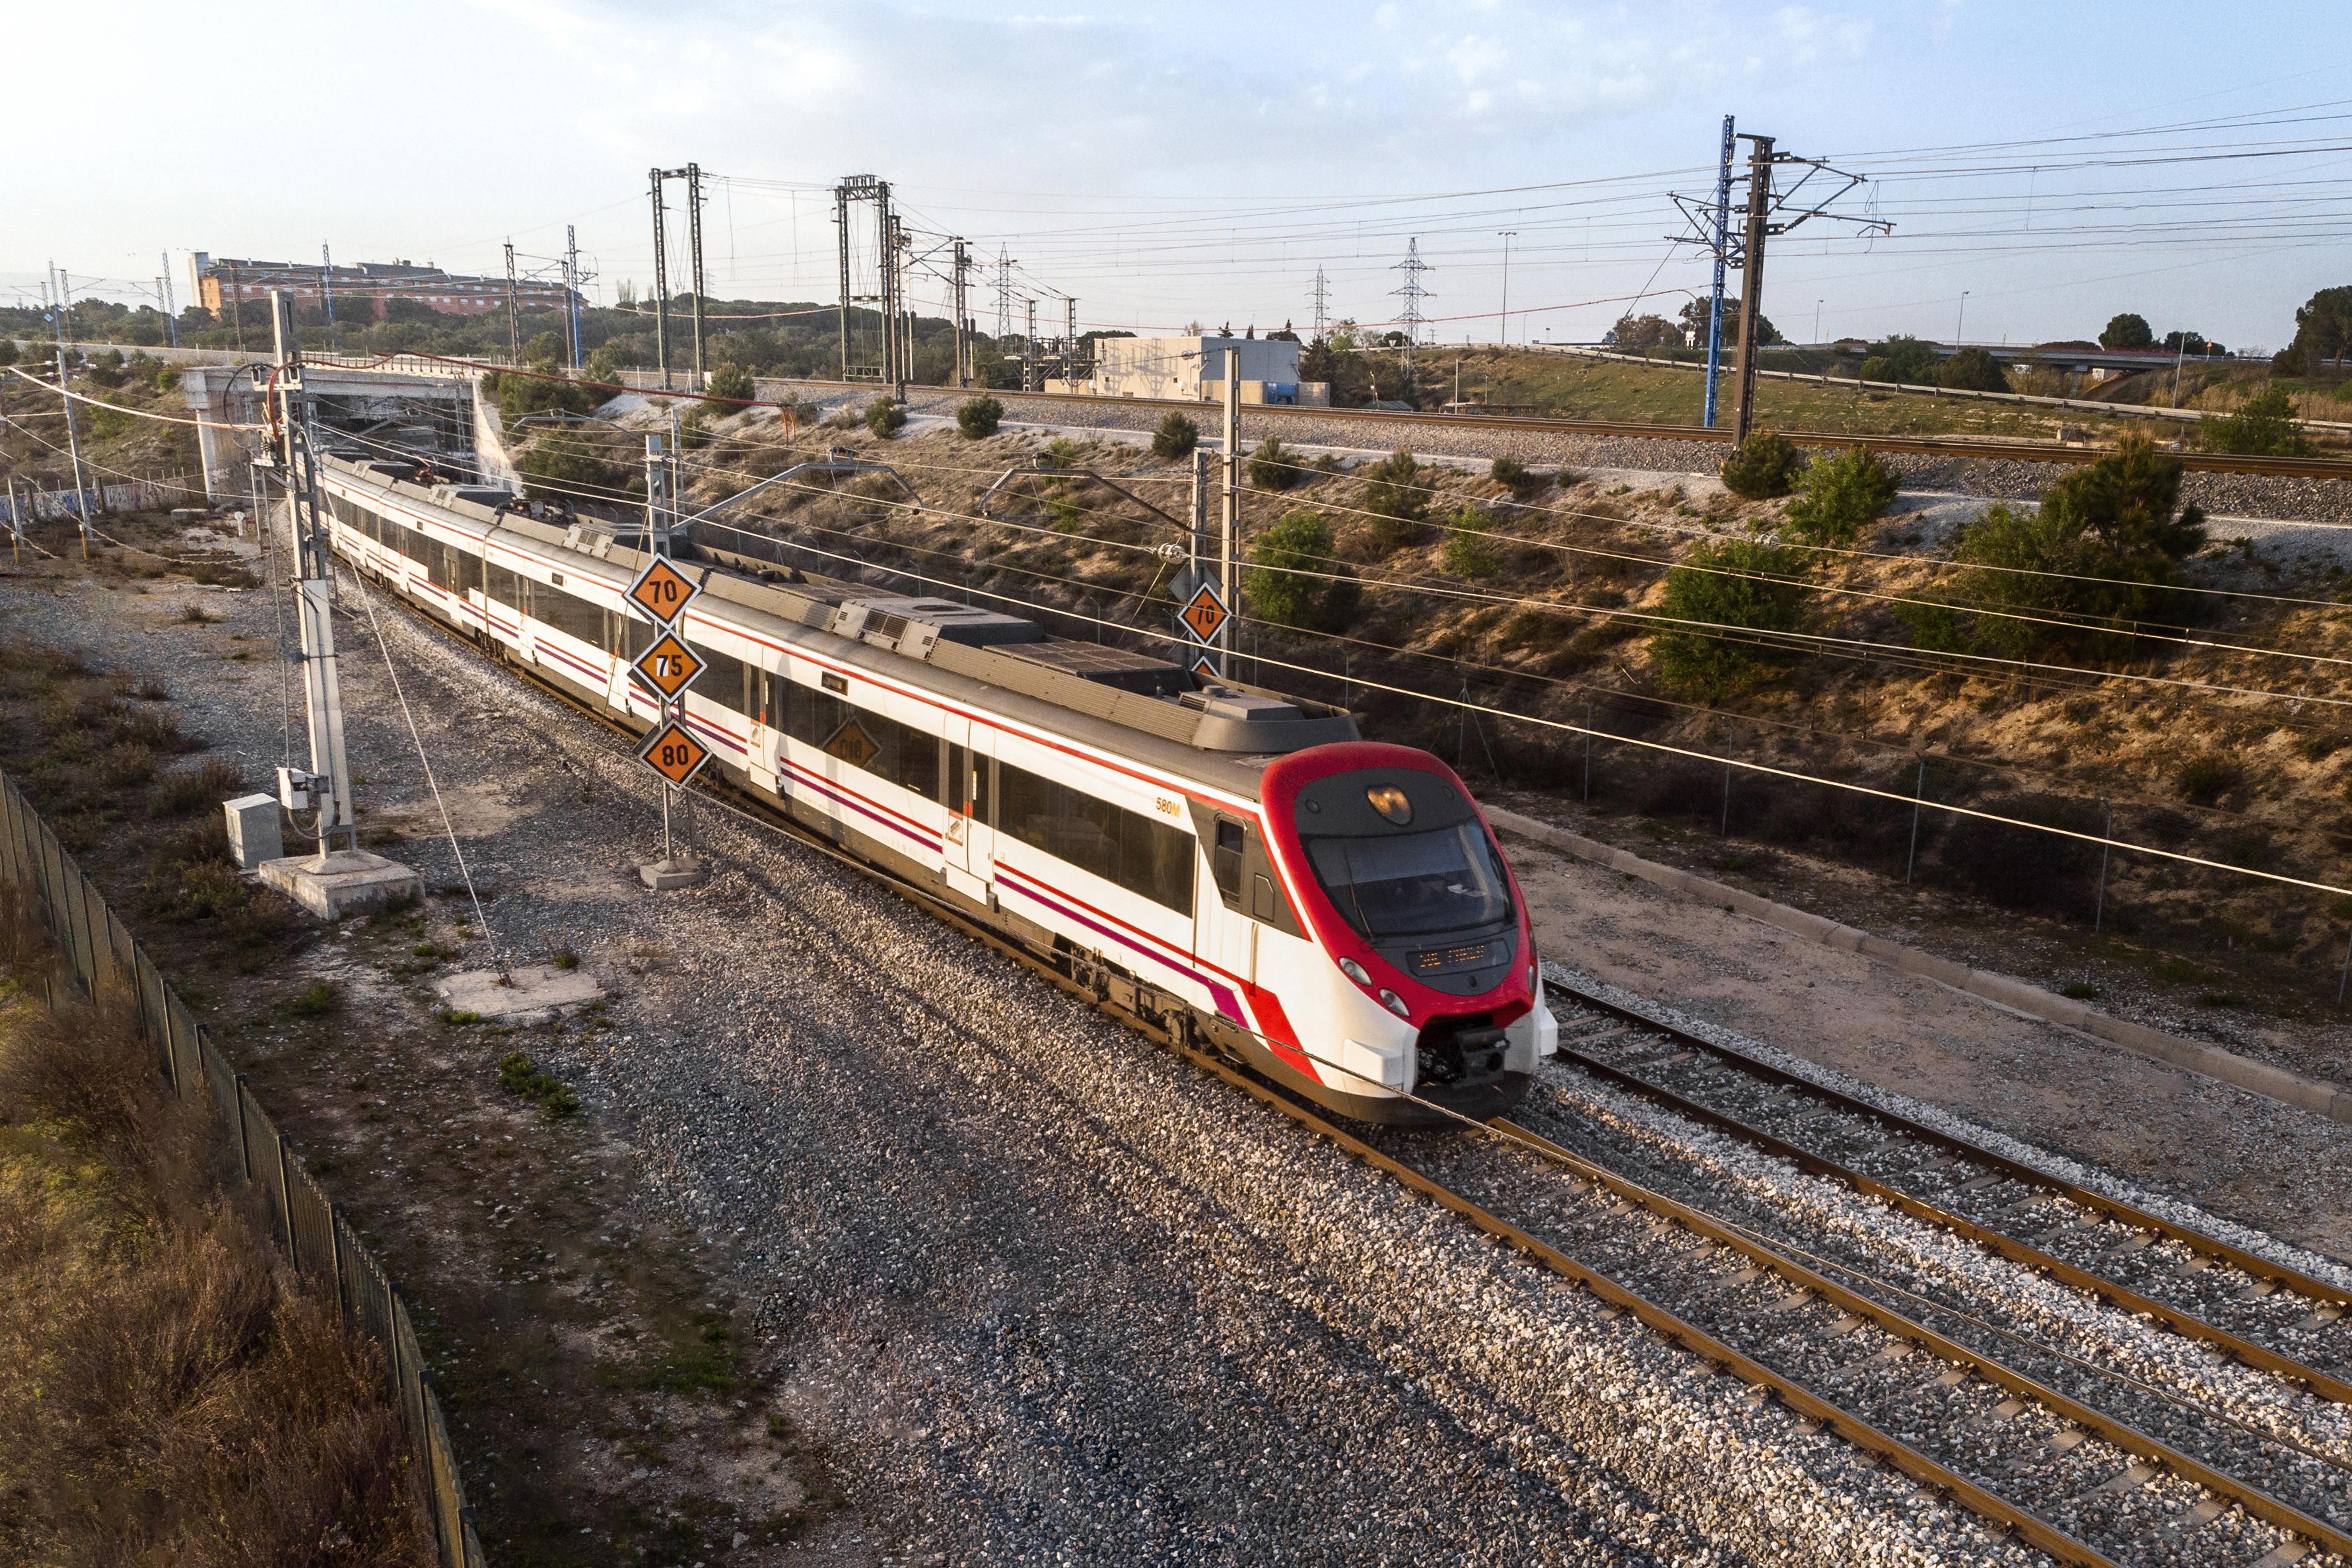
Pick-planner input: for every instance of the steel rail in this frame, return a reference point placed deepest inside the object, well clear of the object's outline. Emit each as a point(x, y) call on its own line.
point(2002, 1511)
point(1921, 1467)
point(2016, 1170)
point(2009, 1247)
point(1978, 448)
point(2123, 1435)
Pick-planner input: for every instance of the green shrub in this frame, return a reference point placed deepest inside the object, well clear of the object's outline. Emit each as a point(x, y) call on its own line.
point(978, 418)
point(1736, 583)
point(1900, 357)
point(2205, 777)
point(1765, 465)
point(2263, 426)
point(317, 1001)
point(731, 382)
point(8, 350)
point(2098, 552)
point(1514, 475)
point(1273, 466)
point(517, 1075)
point(886, 417)
point(517, 396)
point(1972, 370)
point(1293, 580)
point(1175, 438)
point(1468, 551)
point(1398, 500)
point(1842, 494)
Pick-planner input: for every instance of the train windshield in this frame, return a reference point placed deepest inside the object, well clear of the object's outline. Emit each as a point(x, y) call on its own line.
point(1414, 885)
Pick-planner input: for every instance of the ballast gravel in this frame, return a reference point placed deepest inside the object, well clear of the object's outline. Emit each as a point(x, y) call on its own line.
point(1038, 1292)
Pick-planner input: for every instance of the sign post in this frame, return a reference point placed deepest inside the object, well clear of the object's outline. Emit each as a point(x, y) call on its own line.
point(667, 668)
point(1204, 616)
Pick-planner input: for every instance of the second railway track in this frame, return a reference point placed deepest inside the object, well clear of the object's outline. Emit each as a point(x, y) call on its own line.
point(1961, 1407)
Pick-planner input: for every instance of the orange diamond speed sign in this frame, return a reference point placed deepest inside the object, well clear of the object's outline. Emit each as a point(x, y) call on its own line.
point(674, 754)
point(1204, 613)
point(1206, 666)
point(669, 667)
point(662, 591)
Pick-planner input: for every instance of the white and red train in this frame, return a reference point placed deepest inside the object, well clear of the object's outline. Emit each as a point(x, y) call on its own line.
point(1237, 866)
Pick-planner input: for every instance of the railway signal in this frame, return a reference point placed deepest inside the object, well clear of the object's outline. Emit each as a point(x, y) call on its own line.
point(663, 592)
point(675, 754)
point(1205, 614)
point(669, 666)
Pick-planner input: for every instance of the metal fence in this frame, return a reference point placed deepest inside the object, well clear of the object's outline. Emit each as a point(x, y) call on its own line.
point(109, 968)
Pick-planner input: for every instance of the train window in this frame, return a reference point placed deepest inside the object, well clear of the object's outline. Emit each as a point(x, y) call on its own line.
point(722, 682)
point(501, 585)
point(1145, 857)
point(569, 615)
point(468, 563)
point(811, 717)
point(1225, 860)
point(958, 777)
point(907, 757)
point(982, 770)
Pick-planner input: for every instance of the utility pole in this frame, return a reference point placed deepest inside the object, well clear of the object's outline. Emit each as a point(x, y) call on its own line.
point(313, 555)
point(1029, 351)
point(73, 438)
point(1721, 245)
point(1751, 284)
point(963, 324)
point(1232, 507)
point(661, 281)
point(171, 312)
point(1413, 267)
point(1508, 236)
point(898, 322)
point(572, 290)
point(694, 243)
point(1322, 301)
point(1070, 343)
point(327, 286)
point(514, 312)
point(1004, 297)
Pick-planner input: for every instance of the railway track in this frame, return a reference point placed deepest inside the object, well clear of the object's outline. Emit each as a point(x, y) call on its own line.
point(1396, 421)
point(1964, 1412)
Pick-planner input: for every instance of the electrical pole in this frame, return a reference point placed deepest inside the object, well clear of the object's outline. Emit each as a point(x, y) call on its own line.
point(73, 439)
point(1413, 267)
point(514, 313)
point(1029, 351)
point(661, 282)
point(1070, 344)
point(1322, 300)
point(572, 290)
point(170, 313)
point(1232, 508)
point(1751, 284)
point(1508, 236)
point(313, 555)
point(1722, 248)
point(963, 326)
point(694, 243)
point(841, 235)
point(327, 286)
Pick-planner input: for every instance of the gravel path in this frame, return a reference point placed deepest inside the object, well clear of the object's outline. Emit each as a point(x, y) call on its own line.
point(1042, 1293)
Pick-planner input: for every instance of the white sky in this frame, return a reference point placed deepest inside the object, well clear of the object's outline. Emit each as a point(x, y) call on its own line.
point(1171, 163)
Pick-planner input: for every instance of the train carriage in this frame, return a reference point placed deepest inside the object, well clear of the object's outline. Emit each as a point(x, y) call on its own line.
point(1238, 866)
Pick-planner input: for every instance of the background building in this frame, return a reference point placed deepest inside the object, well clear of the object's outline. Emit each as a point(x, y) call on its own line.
point(363, 291)
point(1194, 368)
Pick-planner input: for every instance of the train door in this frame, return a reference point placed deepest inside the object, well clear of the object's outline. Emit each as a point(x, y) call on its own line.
point(969, 853)
point(1223, 932)
point(764, 687)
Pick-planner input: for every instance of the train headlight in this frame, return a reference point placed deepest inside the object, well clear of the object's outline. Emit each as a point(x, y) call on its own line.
point(1535, 980)
point(1354, 971)
point(1395, 1003)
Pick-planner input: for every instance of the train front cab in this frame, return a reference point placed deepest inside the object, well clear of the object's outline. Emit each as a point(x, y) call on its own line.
point(1422, 970)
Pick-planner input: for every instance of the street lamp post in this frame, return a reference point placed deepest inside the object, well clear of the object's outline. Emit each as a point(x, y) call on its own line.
point(1956, 338)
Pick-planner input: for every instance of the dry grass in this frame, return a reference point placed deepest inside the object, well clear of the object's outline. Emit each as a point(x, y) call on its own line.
point(167, 1395)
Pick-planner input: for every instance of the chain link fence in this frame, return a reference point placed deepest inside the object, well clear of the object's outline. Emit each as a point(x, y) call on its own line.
point(109, 968)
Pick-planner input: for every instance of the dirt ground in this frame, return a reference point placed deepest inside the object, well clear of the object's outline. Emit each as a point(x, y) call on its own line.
point(2235, 1153)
